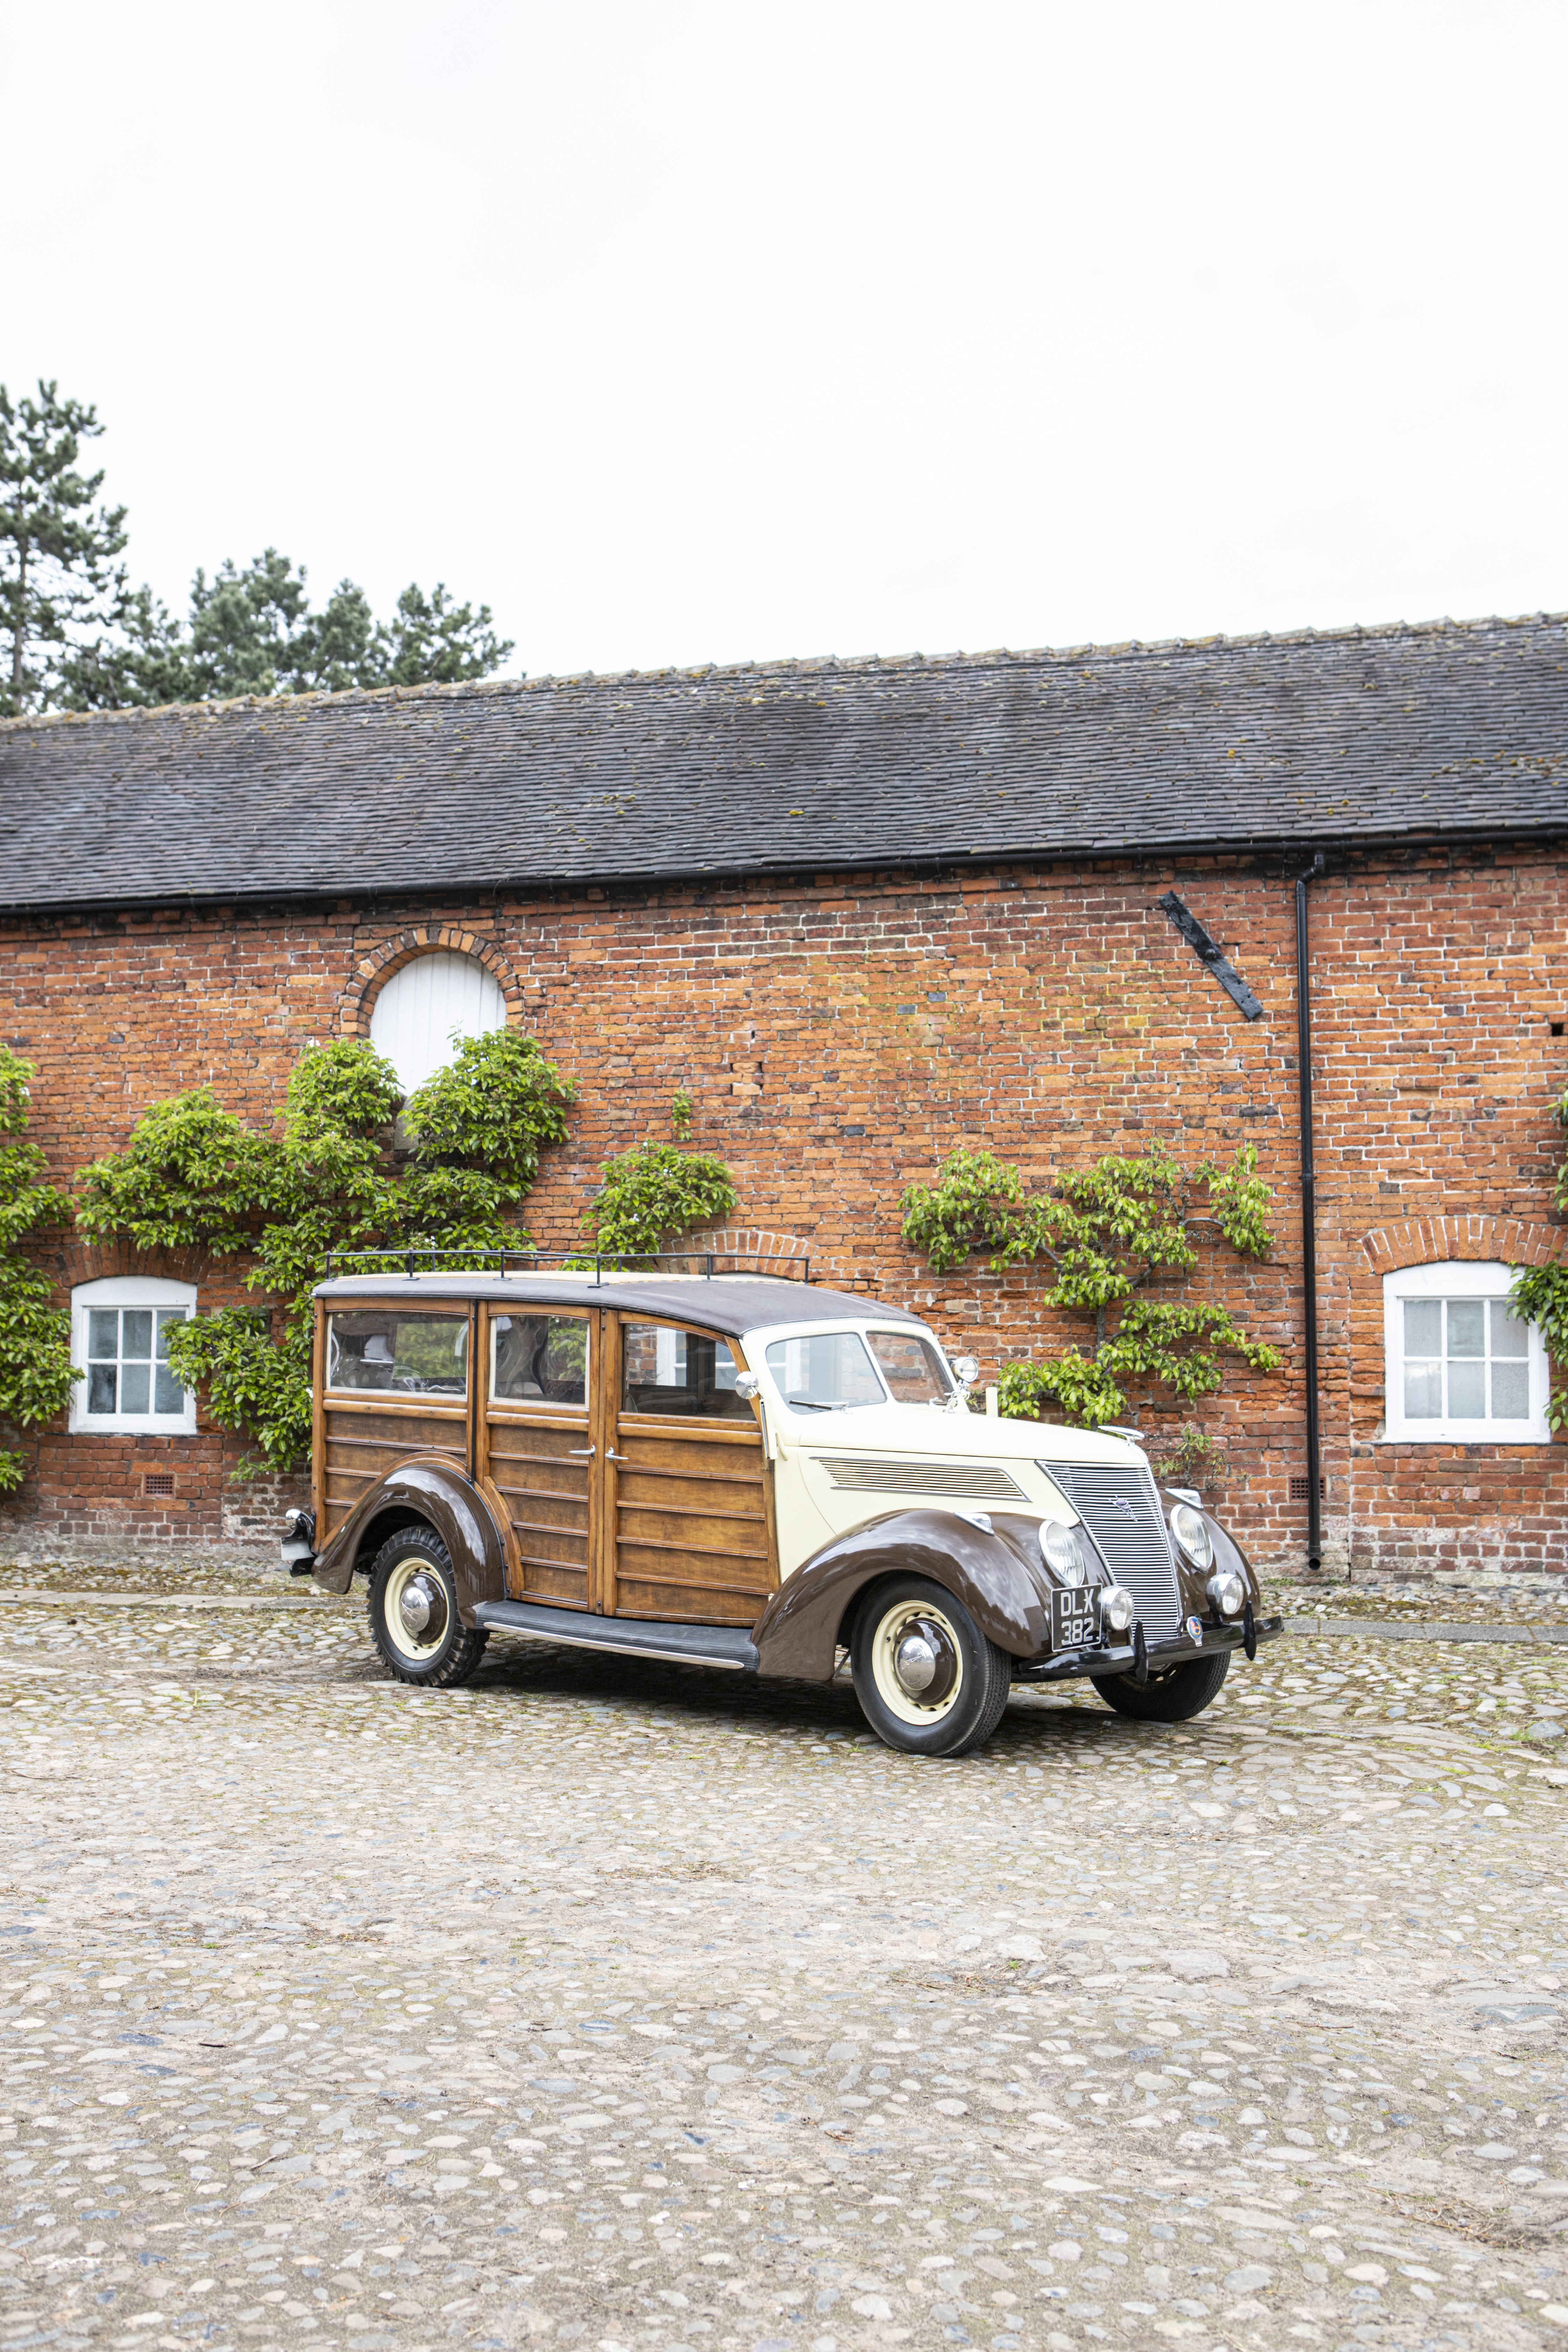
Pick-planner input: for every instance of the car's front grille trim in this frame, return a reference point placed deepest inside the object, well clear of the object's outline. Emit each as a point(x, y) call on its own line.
point(976, 1482)
point(1121, 1510)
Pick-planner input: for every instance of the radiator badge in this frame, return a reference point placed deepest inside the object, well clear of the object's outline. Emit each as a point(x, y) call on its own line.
point(1195, 1629)
point(1121, 1502)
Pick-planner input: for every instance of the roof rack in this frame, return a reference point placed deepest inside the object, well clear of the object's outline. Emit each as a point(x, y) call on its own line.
point(479, 1259)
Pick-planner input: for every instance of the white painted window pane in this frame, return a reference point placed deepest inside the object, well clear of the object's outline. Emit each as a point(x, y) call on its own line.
point(1423, 1326)
point(1466, 1392)
point(103, 1337)
point(1511, 1333)
point(101, 1380)
point(168, 1395)
point(1423, 1392)
point(1510, 1391)
point(1467, 1327)
point(135, 1387)
point(136, 1337)
point(432, 1002)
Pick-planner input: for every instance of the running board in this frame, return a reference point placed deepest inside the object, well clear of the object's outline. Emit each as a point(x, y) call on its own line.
point(633, 1637)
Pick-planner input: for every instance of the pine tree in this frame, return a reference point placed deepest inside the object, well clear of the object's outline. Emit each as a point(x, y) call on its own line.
point(60, 580)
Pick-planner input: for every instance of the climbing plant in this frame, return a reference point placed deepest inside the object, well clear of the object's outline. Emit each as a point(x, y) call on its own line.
point(35, 1372)
point(1107, 1233)
point(193, 1176)
point(650, 1195)
point(1540, 1292)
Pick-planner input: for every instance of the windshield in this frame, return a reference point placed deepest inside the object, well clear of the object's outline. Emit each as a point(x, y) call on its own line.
point(829, 1371)
point(911, 1367)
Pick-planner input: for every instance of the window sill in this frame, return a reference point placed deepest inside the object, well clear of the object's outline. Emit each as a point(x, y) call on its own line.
point(1472, 1433)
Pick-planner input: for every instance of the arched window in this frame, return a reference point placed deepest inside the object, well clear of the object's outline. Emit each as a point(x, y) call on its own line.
point(427, 1006)
point(119, 1342)
point(1458, 1363)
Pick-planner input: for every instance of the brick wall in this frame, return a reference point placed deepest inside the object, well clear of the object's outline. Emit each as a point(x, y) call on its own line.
point(838, 1036)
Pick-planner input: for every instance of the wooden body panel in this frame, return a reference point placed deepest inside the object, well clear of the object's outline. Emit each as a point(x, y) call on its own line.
point(537, 1464)
point(363, 1441)
point(690, 1521)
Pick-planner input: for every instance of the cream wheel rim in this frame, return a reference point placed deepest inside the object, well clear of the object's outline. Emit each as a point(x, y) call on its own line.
point(915, 1650)
point(415, 1608)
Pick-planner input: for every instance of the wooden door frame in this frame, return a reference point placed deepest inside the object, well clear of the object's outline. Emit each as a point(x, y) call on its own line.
point(717, 1429)
point(521, 1415)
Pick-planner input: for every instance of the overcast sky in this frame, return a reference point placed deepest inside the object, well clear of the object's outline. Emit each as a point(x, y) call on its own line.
point(687, 333)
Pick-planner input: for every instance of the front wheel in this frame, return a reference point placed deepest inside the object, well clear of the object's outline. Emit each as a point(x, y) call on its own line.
point(414, 1612)
point(1174, 1696)
point(927, 1679)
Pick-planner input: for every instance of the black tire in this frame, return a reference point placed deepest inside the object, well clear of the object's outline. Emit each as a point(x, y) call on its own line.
point(971, 1676)
point(443, 1650)
point(1174, 1696)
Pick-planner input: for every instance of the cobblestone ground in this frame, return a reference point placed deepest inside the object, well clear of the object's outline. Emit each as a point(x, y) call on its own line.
point(616, 2005)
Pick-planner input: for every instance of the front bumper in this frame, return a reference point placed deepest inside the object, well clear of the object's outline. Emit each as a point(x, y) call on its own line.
point(1120, 1658)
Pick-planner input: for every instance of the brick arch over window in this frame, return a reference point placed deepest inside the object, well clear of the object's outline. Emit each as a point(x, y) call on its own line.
point(1447, 1240)
point(377, 969)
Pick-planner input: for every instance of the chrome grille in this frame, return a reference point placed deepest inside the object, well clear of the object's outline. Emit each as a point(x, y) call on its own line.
point(1122, 1511)
point(980, 1482)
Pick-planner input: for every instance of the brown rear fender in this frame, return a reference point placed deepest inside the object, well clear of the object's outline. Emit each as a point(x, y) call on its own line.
point(1007, 1595)
point(429, 1490)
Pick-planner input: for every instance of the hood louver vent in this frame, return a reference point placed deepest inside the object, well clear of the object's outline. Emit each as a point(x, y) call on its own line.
point(976, 1482)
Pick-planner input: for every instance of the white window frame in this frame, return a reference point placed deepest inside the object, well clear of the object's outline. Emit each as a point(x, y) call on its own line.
point(126, 1290)
point(1456, 1279)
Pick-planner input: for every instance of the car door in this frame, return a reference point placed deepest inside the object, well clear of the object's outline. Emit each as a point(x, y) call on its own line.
point(540, 1450)
point(688, 1523)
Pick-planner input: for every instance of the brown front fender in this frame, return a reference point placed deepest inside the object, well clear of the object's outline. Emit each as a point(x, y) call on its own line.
point(1007, 1596)
point(429, 1489)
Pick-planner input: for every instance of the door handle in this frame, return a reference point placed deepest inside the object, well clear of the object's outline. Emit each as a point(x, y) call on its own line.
point(611, 1455)
point(580, 1450)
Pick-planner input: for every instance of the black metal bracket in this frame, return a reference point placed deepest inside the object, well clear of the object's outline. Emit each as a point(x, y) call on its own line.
point(1207, 951)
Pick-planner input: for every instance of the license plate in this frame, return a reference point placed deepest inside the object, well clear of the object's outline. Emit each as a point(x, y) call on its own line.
point(1075, 1618)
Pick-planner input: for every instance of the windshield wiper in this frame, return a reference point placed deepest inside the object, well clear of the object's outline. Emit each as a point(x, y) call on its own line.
point(822, 1405)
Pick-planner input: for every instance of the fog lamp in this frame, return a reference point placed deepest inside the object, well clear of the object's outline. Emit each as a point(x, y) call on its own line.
point(1228, 1593)
point(1192, 1539)
point(1063, 1552)
point(1117, 1608)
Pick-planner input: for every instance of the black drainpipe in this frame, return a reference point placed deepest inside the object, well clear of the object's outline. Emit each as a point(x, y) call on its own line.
point(1309, 1221)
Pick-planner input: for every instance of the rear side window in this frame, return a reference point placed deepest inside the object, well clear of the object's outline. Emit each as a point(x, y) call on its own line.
point(538, 1360)
point(398, 1354)
point(686, 1372)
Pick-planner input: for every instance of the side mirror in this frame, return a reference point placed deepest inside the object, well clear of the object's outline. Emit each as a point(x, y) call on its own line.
point(967, 1369)
point(747, 1386)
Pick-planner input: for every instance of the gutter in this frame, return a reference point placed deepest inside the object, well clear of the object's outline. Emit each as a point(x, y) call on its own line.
point(1260, 851)
point(1309, 1218)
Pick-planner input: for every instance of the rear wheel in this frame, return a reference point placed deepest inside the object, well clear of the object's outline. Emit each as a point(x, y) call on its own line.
point(414, 1612)
point(1173, 1697)
point(927, 1679)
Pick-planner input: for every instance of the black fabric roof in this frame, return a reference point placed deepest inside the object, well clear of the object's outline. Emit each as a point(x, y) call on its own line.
point(731, 1303)
point(1375, 736)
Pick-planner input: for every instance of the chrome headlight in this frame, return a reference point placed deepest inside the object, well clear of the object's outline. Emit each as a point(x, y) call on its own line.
point(1192, 1539)
point(1063, 1552)
point(1227, 1592)
point(1117, 1608)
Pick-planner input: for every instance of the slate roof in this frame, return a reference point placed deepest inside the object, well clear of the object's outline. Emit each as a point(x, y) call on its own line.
point(1373, 736)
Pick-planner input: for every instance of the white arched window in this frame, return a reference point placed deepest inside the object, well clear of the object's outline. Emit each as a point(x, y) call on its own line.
point(120, 1343)
point(425, 1009)
point(1458, 1363)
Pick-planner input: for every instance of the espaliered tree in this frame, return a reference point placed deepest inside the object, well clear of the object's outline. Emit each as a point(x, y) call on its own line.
point(194, 1177)
point(1540, 1292)
point(35, 1372)
point(1108, 1232)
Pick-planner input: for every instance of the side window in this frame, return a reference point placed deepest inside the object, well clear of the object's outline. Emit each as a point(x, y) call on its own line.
point(1458, 1363)
point(119, 1342)
point(400, 1354)
point(664, 1370)
point(538, 1360)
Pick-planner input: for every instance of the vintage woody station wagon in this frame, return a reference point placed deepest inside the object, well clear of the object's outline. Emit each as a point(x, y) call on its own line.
point(738, 1471)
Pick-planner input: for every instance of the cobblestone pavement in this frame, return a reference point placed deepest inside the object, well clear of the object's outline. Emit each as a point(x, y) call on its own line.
point(615, 2005)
